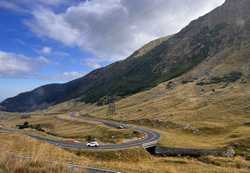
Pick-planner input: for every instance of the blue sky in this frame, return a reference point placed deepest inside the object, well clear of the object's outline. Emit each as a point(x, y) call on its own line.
point(55, 41)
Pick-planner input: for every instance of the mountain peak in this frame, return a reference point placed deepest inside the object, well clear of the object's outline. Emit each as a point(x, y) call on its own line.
point(235, 12)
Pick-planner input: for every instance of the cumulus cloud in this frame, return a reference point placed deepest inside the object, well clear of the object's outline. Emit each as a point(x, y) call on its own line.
point(47, 23)
point(113, 29)
point(16, 65)
point(19, 66)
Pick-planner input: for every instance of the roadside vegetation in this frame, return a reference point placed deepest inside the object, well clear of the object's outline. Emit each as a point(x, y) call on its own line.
point(63, 129)
point(21, 154)
point(128, 161)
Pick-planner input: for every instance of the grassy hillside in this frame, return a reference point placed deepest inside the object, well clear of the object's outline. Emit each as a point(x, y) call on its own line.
point(186, 114)
point(205, 108)
point(130, 161)
point(69, 130)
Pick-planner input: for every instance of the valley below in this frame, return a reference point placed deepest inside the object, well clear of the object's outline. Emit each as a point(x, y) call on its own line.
point(185, 119)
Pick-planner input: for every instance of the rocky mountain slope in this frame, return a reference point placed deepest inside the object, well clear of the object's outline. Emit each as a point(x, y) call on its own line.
point(211, 49)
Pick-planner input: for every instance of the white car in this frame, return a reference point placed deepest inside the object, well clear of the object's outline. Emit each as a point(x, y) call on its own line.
point(123, 126)
point(92, 144)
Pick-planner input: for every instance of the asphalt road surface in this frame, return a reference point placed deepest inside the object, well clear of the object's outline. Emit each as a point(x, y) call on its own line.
point(150, 137)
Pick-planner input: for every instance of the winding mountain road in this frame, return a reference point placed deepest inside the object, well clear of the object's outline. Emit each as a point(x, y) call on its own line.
point(150, 138)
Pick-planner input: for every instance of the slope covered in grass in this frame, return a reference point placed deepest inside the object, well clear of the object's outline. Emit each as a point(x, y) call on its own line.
point(44, 157)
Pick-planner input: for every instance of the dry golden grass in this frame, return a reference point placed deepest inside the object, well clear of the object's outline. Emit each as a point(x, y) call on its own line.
point(69, 129)
point(219, 116)
point(24, 145)
point(20, 154)
point(130, 161)
point(10, 164)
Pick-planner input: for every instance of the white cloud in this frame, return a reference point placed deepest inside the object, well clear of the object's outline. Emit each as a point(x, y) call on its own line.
point(113, 29)
point(19, 66)
point(47, 23)
point(14, 65)
point(50, 52)
point(92, 63)
point(24, 6)
point(46, 50)
point(9, 63)
point(44, 60)
point(60, 77)
point(67, 76)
